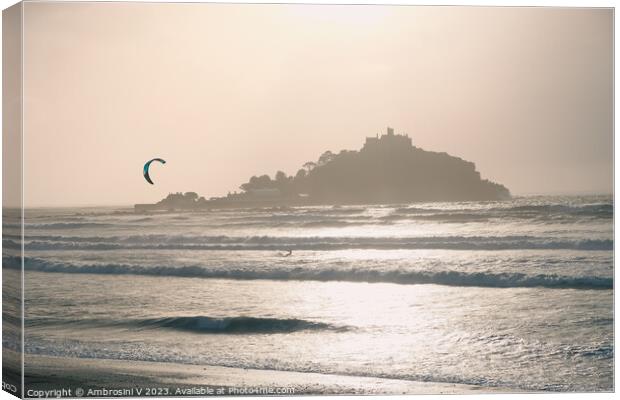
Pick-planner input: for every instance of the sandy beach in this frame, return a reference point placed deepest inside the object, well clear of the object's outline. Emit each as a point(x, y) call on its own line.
point(119, 376)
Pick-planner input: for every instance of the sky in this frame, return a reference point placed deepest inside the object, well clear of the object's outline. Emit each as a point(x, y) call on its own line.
point(227, 91)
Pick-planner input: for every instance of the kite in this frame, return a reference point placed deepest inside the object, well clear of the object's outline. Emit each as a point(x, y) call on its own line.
point(145, 171)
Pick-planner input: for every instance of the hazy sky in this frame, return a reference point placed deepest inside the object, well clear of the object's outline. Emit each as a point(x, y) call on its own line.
point(223, 92)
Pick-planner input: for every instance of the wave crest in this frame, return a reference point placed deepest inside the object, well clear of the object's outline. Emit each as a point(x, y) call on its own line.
point(195, 324)
point(183, 242)
point(399, 276)
point(238, 325)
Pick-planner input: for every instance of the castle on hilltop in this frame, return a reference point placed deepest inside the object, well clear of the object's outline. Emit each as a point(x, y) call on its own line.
point(388, 141)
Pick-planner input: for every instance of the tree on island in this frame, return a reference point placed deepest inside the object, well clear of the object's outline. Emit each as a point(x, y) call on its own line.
point(182, 200)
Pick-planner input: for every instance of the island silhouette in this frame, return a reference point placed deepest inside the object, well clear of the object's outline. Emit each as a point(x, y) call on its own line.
point(387, 169)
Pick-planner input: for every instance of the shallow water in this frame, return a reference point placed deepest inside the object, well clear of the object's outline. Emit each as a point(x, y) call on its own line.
point(513, 294)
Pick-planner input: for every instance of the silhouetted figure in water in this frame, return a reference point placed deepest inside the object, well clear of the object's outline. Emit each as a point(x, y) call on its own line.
point(290, 252)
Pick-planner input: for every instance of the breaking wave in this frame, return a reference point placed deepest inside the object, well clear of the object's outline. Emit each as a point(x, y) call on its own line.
point(398, 276)
point(535, 213)
point(236, 324)
point(200, 324)
point(598, 209)
point(183, 242)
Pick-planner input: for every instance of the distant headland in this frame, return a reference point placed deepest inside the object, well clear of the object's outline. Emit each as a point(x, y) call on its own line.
point(388, 169)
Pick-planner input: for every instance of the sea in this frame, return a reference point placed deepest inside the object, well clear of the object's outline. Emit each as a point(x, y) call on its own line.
point(514, 294)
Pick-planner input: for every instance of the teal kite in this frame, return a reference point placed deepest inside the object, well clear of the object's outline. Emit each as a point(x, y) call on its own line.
point(145, 171)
